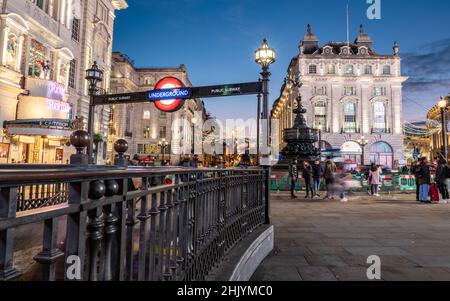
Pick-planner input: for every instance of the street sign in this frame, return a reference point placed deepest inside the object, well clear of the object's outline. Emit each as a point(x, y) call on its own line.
point(120, 98)
point(227, 90)
point(169, 86)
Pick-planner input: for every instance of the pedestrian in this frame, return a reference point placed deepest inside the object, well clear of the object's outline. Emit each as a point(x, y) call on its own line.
point(415, 168)
point(307, 176)
point(441, 178)
point(293, 174)
point(317, 173)
point(329, 175)
point(374, 179)
point(424, 180)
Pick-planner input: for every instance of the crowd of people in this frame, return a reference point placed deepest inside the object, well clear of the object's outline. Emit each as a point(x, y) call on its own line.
point(428, 191)
point(338, 183)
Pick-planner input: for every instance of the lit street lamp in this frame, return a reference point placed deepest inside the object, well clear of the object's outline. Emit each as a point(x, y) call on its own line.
point(443, 106)
point(265, 56)
point(94, 76)
point(163, 145)
point(363, 143)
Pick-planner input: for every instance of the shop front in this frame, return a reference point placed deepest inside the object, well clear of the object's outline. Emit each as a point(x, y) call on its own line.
point(40, 134)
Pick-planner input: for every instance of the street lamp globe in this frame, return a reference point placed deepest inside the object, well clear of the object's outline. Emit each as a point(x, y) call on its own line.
point(94, 75)
point(265, 56)
point(443, 103)
point(194, 120)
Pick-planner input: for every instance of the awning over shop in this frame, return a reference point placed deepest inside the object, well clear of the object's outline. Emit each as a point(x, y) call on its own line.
point(40, 127)
point(39, 132)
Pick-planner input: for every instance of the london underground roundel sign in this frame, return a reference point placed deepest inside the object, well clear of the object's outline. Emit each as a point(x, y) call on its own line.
point(169, 105)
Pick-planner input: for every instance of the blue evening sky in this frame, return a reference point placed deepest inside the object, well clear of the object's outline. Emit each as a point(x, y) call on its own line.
point(216, 40)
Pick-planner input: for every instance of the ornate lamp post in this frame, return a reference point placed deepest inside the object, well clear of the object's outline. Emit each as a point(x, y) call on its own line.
point(443, 106)
point(94, 76)
point(265, 56)
point(163, 144)
point(363, 142)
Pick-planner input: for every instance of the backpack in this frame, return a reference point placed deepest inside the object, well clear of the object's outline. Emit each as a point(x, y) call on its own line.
point(446, 172)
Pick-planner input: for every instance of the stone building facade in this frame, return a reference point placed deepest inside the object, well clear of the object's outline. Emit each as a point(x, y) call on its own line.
point(45, 47)
point(350, 92)
point(142, 124)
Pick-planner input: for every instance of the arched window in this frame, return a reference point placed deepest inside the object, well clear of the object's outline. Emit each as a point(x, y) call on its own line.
point(349, 117)
point(349, 69)
point(320, 115)
point(387, 70)
point(379, 117)
point(312, 69)
point(381, 154)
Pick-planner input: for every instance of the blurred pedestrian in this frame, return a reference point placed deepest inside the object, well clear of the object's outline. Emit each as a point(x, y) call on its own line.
point(415, 168)
point(307, 176)
point(374, 179)
point(329, 176)
point(442, 177)
point(424, 180)
point(293, 174)
point(317, 173)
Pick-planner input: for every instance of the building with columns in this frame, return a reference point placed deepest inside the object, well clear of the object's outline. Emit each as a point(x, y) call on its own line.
point(350, 92)
point(142, 125)
point(45, 47)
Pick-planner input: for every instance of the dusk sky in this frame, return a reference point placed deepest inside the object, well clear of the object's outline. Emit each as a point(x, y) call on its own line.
point(216, 40)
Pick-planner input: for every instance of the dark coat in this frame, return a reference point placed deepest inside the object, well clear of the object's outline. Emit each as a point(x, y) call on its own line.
point(317, 171)
point(307, 173)
point(293, 171)
point(424, 174)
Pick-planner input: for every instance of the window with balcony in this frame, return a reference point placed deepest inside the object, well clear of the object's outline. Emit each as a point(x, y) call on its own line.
point(331, 69)
point(146, 115)
point(162, 132)
point(320, 90)
point(349, 69)
point(76, 29)
point(379, 91)
point(349, 91)
point(147, 133)
point(379, 120)
point(72, 73)
point(312, 69)
point(320, 115)
point(387, 70)
point(349, 118)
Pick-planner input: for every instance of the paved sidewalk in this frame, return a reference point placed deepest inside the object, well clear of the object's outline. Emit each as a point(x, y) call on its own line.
point(318, 240)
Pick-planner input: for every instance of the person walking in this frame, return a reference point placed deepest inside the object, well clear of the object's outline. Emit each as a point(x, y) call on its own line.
point(441, 178)
point(329, 175)
point(375, 179)
point(424, 180)
point(293, 174)
point(307, 176)
point(317, 173)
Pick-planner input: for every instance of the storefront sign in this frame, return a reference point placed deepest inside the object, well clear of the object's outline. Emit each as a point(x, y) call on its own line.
point(169, 86)
point(33, 107)
point(26, 139)
point(42, 123)
point(45, 88)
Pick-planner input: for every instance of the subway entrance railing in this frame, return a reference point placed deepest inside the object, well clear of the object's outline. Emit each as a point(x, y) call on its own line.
point(120, 223)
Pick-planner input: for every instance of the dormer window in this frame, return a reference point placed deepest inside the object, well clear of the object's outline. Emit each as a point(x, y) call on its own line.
point(328, 50)
point(363, 51)
point(345, 50)
point(312, 69)
point(387, 70)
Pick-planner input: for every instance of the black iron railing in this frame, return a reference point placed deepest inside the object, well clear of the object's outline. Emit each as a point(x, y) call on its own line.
point(126, 224)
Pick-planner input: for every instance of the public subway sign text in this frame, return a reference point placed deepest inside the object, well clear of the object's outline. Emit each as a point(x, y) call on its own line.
point(180, 93)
